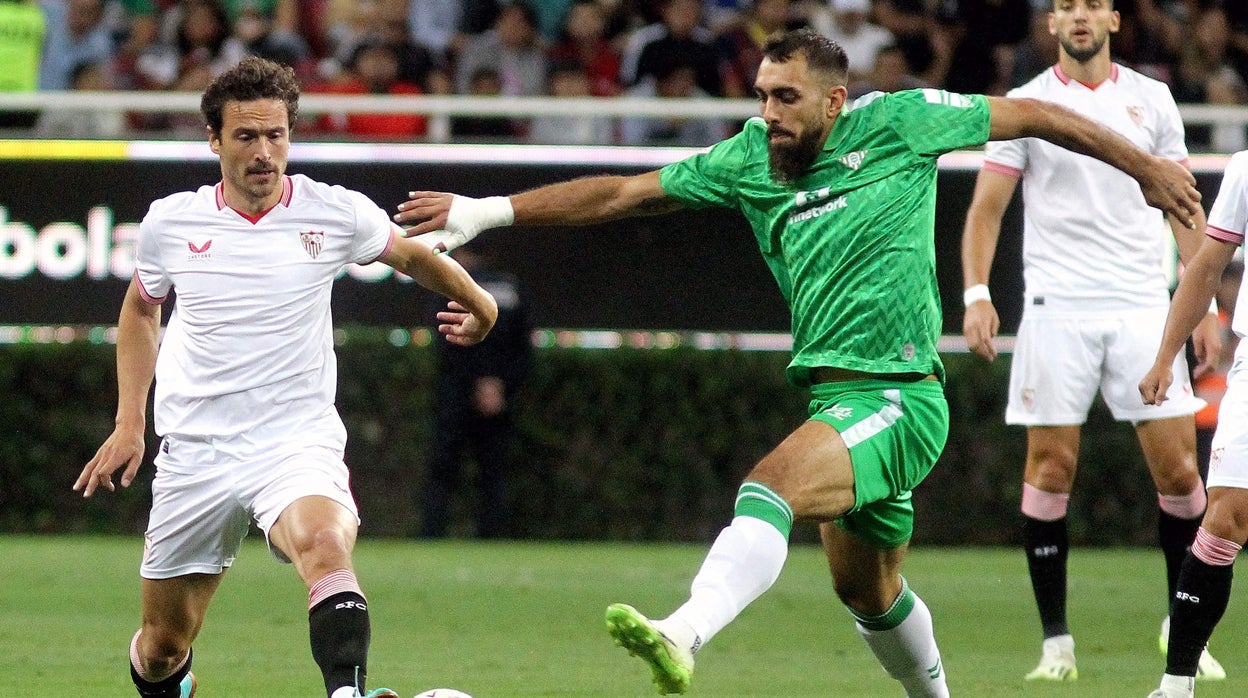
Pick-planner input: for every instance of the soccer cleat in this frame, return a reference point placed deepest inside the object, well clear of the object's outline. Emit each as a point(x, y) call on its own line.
point(1057, 663)
point(1175, 687)
point(1207, 668)
point(187, 686)
point(379, 693)
point(671, 664)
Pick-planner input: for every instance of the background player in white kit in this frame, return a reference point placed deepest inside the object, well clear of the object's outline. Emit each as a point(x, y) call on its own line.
point(245, 381)
point(1095, 296)
point(1205, 583)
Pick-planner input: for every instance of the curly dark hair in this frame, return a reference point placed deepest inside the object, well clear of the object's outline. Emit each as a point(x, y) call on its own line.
point(253, 78)
point(823, 55)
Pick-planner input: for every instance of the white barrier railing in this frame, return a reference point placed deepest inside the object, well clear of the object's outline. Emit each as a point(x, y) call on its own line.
point(441, 107)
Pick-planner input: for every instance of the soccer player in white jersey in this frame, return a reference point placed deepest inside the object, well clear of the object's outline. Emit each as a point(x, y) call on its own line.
point(841, 199)
point(1205, 582)
point(1094, 302)
point(245, 382)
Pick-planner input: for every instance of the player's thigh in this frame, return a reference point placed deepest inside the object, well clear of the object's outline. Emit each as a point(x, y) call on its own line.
point(865, 577)
point(277, 481)
point(1131, 349)
point(811, 471)
point(317, 534)
point(174, 609)
point(1227, 516)
point(1055, 370)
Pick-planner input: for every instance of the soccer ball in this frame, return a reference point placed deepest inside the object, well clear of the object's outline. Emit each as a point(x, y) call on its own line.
point(443, 693)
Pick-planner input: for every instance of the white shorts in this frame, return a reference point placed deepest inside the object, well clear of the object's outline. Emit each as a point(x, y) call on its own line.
point(1228, 459)
point(207, 492)
point(1062, 358)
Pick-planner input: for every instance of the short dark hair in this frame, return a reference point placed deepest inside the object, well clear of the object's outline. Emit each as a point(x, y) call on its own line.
point(253, 78)
point(822, 54)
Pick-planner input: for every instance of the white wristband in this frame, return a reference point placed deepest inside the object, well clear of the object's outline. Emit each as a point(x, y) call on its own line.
point(976, 293)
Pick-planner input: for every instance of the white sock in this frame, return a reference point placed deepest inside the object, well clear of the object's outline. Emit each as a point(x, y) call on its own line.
point(744, 561)
point(908, 652)
point(345, 692)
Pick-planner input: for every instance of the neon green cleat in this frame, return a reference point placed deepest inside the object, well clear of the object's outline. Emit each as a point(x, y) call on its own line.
point(1057, 662)
point(671, 664)
point(1207, 668)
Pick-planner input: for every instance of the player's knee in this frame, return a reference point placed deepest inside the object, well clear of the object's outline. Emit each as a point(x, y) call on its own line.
point(865, 596)
point(1051, 470)
point(325, 549)
point(162, 653)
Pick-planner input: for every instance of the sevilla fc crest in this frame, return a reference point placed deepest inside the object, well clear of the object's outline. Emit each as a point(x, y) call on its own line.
point(312, 242)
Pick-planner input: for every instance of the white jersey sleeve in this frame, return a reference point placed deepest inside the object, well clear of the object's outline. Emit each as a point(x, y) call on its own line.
point(1171, 142)
point(1228, 222)
point(373, 229)
point(149, 266)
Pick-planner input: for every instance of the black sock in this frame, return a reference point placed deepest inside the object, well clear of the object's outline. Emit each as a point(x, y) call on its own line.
point(1047, 547)
point(339, 630)
point(1176, 536)
point(1198, 605)
point(168, 687)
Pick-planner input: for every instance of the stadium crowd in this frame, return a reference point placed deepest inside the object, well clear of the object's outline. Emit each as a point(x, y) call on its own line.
point(604, 48)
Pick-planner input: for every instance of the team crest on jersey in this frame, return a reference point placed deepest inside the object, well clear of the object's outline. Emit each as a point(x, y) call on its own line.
point(1137, 114)
point(1215, 459)
point(854, 160)
point(312, 242)
point(199, 251)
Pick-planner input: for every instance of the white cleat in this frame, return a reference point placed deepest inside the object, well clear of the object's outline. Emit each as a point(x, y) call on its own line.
point(1057, 663)
point(1175, 687)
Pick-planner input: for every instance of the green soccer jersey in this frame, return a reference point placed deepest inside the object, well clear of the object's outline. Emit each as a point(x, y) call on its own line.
point(851, 242)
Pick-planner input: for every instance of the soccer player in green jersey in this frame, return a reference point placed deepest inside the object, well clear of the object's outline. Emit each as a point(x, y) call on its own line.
point(841, 199)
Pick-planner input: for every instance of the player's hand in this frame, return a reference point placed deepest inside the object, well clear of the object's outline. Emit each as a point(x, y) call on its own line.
point(1170, 187)
point(461, 327)
point(979, 325)
point(1207, 345)
point(450, 219)
point(124, 447)
point(1155, 384)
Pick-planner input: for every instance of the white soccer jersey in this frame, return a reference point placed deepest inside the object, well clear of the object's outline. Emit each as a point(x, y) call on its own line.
point(1088, 234)
point(248, 350)
point(1228, 222)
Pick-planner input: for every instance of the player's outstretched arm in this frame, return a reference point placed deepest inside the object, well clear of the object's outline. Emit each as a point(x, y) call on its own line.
point(450, 220)
point(137, 337)
point(472, 311)
point(1166, 184)
point(980, 322)
point(1189, 306)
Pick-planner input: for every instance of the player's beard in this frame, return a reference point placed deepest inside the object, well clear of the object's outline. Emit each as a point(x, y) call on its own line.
point(1083, 55)
point(790, 160)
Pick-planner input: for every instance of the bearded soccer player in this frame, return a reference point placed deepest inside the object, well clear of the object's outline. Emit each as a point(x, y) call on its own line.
point(841, 199)
point(1094, 308)
point(245, 382)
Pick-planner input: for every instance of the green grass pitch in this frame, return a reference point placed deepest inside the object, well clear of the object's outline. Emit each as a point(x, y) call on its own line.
point(509, 620)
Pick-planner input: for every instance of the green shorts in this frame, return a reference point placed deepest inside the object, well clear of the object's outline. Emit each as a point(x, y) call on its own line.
point(895, 432)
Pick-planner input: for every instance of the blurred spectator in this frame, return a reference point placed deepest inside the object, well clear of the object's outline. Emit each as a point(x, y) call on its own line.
point(1205, 75)
point(1237, 17)
point(192, 51)
point(134, 26)
point(985, 34)
point(740, 44)
point(512, 49)
point(373, 70)
point(1038, 52)
point(679, 39)
point(890, 73)
point(549, 17)
point(848, 23)
point(94, 123)
point(569, 78)
point(257, 33)
point(584, 40)
point(435, 24)
point(21, 44)
point(914, 31)
point(485, 83)
point(76, 34)
point(674, 80)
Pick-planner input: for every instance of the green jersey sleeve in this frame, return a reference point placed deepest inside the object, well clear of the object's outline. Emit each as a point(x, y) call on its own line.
point(932, 122)
point(710, 178)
